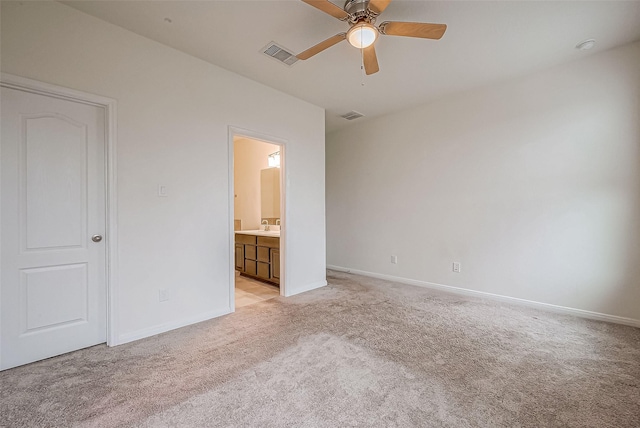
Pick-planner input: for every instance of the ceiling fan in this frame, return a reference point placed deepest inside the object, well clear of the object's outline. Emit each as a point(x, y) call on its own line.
point(361, 16)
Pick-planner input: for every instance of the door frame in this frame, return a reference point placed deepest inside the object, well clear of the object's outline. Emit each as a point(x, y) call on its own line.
point(111, 232)
point(245, 133)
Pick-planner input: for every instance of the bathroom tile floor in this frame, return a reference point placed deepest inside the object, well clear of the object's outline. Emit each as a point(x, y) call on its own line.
point(250, 291)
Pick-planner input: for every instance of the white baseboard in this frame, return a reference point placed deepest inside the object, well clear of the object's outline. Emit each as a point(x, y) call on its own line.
point(308, 287)
point(497, 297)
point(163, 328)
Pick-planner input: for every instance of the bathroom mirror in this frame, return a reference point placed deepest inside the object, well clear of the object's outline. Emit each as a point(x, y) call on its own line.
point(270, 194)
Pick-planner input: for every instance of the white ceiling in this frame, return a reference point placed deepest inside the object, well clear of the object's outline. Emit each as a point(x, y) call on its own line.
point(485, 42)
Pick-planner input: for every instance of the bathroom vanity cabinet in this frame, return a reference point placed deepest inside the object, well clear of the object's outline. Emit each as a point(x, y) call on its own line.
point(258, 257)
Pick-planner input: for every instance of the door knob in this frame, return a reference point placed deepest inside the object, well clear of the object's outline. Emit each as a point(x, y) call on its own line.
point(96, 238)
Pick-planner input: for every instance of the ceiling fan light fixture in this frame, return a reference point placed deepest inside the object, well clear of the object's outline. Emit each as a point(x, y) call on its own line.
point(362, 35)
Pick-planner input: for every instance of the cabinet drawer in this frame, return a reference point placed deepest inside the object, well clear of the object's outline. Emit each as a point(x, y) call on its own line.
point(250, 267)
point(245, 239)
point(263, 254)
point(250, 252)
point(269, 241)
point(263, 270)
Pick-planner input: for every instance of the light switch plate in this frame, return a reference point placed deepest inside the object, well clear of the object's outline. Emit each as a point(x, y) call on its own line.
point(162, 191)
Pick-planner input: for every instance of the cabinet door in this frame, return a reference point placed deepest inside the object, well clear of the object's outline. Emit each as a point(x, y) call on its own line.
point(263, 254)
point(275, 263)
point(250, 252)
point(263, 270)
point(240, 257)
point(250, 266)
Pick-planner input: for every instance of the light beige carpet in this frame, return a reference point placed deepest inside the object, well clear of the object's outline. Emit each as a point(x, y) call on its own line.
point(360, 352)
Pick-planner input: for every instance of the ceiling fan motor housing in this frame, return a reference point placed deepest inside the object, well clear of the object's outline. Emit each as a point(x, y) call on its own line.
point(358, 10)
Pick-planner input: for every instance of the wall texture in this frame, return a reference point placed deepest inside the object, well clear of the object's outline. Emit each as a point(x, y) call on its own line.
point(174, 113)
point(532, 185)
point(250, 157)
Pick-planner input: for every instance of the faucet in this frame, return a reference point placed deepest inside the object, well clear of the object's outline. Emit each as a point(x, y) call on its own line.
point(266, 225)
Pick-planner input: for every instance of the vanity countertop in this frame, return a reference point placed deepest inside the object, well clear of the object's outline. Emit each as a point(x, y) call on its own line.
point(260, 232)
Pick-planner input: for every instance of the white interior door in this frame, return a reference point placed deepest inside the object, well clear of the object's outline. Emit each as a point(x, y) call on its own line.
point(52, 176)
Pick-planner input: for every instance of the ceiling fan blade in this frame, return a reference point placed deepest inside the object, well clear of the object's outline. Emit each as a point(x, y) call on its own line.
point(370, 60)
point(327, 7)
point(322, 46)
point(413, 29)
point(378, 6)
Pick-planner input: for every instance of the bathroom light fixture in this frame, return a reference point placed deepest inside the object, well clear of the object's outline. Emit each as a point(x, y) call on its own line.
point(362, 35)
point(274, 159)
point(586, 45)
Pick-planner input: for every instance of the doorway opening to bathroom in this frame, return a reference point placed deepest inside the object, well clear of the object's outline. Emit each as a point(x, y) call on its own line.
point(258, 195)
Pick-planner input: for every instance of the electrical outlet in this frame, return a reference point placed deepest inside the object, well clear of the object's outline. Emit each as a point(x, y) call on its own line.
point(456, 267)
point(394, 260)
point(163, 295)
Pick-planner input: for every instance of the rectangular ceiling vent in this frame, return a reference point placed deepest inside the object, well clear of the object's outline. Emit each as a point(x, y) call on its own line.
point(279, 53)
point(352, 115)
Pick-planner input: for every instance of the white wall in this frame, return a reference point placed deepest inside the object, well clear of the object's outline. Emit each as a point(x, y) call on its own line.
point(533, 185)
point(250, 157)
point(174, 113)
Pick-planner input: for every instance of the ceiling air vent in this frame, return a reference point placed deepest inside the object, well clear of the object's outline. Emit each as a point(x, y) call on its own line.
point(352, 115)
point(279, 53)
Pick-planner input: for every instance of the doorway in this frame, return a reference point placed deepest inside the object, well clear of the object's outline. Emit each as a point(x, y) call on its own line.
point(54, 220)
point(257, 208)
